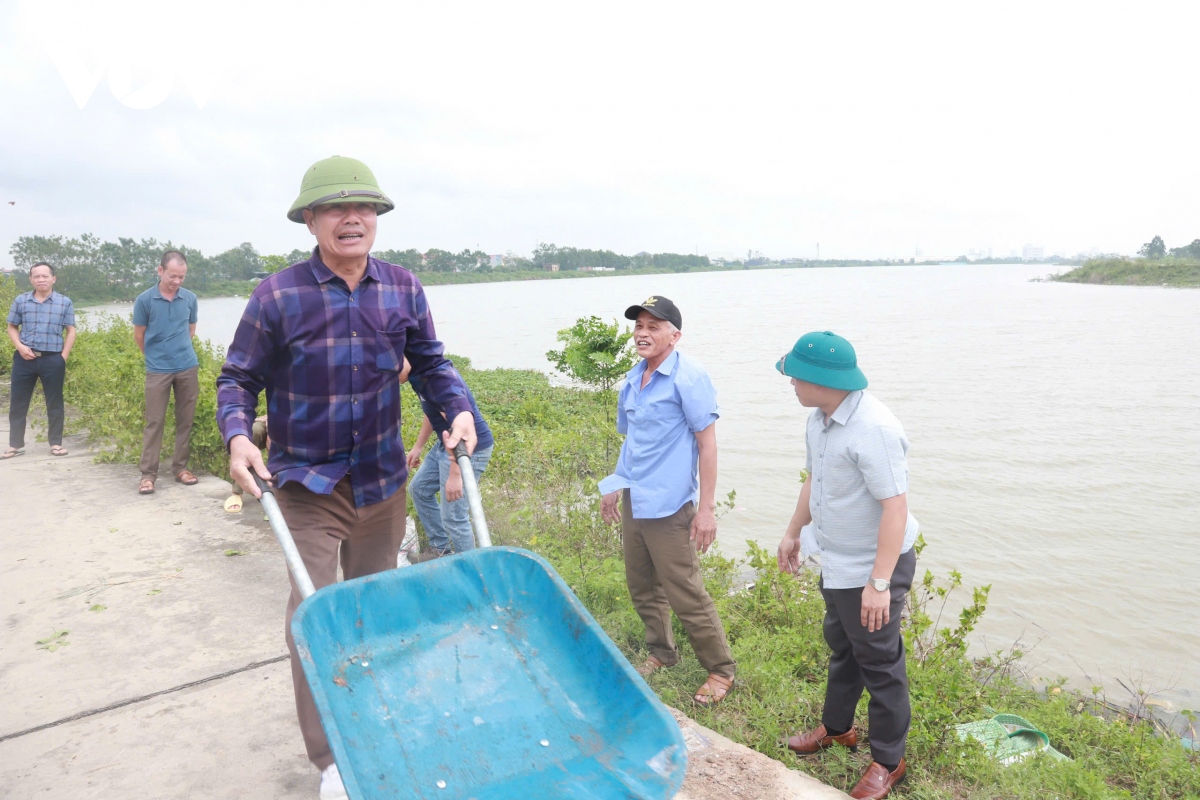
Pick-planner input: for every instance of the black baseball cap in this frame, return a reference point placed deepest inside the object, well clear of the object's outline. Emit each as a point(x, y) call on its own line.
point(659, 306)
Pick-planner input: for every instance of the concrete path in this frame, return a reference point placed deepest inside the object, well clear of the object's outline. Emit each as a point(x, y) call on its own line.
point(149, 600)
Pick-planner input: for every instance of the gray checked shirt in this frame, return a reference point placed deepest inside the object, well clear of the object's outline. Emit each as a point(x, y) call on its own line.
point(855, 461)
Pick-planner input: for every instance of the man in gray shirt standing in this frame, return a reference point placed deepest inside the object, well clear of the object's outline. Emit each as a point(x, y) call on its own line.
point(164, 322)
point(853, 510)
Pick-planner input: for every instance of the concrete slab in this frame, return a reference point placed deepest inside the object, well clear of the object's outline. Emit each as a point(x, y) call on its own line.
point(721, 769)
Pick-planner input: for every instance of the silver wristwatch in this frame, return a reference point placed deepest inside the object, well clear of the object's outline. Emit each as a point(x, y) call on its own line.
point(880, 584)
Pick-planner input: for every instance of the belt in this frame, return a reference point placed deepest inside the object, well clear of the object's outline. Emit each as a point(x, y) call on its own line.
point(40, 353)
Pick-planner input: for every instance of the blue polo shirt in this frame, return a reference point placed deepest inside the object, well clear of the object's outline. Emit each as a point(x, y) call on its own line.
point(168, 342)
point(660, 459)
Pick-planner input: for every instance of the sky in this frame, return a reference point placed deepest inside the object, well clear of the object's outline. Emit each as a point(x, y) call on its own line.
point(870, 128)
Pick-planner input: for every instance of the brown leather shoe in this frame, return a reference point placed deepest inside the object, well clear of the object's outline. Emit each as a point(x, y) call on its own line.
point(876, 782)
point(817, 740)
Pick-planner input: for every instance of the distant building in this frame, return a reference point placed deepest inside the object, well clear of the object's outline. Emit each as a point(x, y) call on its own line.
point(496, 260)
point(597, 269)
point(1033, 252)
point(552, 268)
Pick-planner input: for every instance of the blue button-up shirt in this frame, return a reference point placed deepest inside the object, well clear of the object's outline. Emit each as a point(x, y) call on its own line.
point(856, 458)
point(330, 360)
point(168, 329)
point(659, 460)
point(42, 323)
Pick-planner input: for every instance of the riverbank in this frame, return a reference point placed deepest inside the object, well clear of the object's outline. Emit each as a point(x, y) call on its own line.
point(239, 288)
point(1178, 272)
point(553, 450)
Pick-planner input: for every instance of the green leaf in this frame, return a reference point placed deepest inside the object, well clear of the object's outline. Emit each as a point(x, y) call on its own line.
point(237, 552)
point(97, 607)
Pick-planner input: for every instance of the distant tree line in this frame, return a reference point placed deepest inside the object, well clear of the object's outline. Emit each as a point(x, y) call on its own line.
point(99, 270)
point(1157, 248)
point(95, 270)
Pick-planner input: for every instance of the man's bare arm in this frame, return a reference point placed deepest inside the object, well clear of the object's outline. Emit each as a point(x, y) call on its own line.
point(788, 554)
point(876, 605)
point(139, 336)
point(704, 524)
point(68, 342)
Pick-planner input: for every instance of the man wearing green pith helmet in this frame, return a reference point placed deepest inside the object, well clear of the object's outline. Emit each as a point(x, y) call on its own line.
point(853, 511)
point(327, 338)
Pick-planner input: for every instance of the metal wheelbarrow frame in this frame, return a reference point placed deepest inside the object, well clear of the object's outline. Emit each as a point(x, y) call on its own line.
point(479, 675)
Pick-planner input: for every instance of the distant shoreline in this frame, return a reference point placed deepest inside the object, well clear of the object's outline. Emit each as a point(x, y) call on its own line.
point(1175, 272)
point(244, 288)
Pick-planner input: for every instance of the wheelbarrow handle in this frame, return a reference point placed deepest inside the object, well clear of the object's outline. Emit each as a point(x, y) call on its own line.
point(483, 537)
point(286, 542)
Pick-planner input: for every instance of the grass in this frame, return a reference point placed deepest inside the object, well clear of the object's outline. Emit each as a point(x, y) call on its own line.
point(1135, 272)
point(540, 492)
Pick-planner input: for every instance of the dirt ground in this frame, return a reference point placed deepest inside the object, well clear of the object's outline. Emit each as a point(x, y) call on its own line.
point(109, 597)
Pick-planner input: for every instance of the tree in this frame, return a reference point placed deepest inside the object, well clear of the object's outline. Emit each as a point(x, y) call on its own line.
point(1187, 251)
point(597, 355)
point(273, 264)
point(440, 260)
point(1155, 248)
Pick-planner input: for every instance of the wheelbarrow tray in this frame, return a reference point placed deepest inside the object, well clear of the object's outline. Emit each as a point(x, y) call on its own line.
point(480, 675)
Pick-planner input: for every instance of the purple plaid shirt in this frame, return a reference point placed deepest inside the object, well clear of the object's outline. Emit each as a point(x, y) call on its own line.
point(329, 361)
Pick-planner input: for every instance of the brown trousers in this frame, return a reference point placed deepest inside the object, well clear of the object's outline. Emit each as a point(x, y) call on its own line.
point(158, 393)
point(662, 570)
point(328, 529)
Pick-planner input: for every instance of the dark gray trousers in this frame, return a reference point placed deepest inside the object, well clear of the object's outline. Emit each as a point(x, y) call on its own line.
point(874, 661)
point(52, 371)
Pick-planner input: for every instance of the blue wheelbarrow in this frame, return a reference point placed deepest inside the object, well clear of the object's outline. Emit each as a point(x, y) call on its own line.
point(479, 675)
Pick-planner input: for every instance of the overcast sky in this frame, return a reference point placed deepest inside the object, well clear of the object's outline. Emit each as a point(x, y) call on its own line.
point(873, 128)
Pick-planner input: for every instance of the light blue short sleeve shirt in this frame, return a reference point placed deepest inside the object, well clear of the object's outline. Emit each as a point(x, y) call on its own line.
point(659, 460)
point(856, 458)
point(167, 322)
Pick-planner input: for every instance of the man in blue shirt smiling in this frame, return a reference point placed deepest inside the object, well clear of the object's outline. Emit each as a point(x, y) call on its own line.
point(668, 411)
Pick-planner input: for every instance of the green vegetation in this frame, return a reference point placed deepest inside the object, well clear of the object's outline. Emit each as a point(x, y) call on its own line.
point(1169, 271)
point(92, 271)
point(9, 289)
point(540, 492)
point(1157, 266)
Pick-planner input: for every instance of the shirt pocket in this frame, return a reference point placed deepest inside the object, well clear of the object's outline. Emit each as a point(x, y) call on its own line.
point(389, 350)
point(842, 480)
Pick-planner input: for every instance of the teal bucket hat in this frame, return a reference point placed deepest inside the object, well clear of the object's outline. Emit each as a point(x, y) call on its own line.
point(826, 359)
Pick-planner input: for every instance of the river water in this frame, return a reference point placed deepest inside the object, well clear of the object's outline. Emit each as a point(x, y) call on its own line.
point(1054, 430)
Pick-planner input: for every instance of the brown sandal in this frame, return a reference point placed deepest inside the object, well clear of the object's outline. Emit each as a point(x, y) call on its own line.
point(186, 478)
point(146, 486)
point(650, 666)
point(713, 690)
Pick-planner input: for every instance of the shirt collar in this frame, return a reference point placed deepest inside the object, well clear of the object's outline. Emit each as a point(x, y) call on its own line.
point(666, 367)
point(847, 408)
point(324, 274)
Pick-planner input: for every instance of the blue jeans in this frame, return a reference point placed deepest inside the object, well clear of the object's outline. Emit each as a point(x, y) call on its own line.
point(444, 522)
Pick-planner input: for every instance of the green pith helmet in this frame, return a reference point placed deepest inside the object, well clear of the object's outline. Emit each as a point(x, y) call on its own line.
point(338, 180)
point(826, 359)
